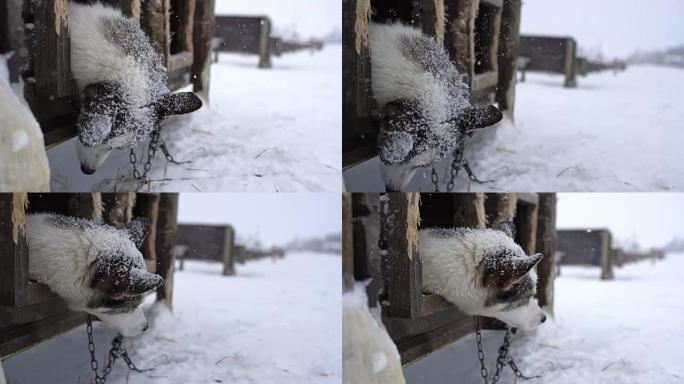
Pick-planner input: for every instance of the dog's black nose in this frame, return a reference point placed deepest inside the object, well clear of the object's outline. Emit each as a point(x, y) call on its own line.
point(87, 170)
point(147, 325)
point(543, 319)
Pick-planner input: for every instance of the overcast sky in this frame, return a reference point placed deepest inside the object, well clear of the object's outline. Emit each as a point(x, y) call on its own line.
point(277, 218)
point(652, 219)
point(618, 27)
point(310, 18)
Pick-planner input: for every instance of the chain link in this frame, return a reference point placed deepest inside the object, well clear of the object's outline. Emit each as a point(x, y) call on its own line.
point(114, 353)
point(504, 357)
point(156, 142)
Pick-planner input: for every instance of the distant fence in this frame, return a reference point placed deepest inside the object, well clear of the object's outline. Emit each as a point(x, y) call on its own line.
point(587, 247)
point(216, 243)
point(549, 54)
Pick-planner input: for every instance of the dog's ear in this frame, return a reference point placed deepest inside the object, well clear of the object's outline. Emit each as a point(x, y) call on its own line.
point(178, 104)
point(142, 281)
point(507, 227)
point(478, 117)
point(137, 230)
point(502, 271)
point(93, 128)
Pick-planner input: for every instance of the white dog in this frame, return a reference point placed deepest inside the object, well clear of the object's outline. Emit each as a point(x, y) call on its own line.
point(122, 83)
point(424, 103)
point(94, 267)
point(483, 272)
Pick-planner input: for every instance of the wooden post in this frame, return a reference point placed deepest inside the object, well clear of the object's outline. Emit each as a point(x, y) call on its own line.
point(53, 49)
point(570, 73)
point(228, 248)
point(154, 21)
point(166, 240)
point(147, 205)
point(400, 216)
point(13, 249)
point(606, 262)
point(500, 207)
point(509, 47)
point(118, 208)
point(203, 32)
point(526, 225)
point(546, 244)
point(347, 243)
point(460, 35)
point(469, 210)
point(264, 44)
point(432, 19)
point(86, 205)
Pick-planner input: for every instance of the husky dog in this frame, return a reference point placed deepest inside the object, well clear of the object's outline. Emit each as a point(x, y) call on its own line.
point(94, 267)
point(423, 99)
point(483, 272)
point(122, 83)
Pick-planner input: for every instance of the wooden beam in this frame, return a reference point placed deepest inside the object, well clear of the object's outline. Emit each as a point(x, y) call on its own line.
point(228, 252)
point(18, 339)
point(400, 216)
point(509, 48)
point(203, 32)
point(13, 249)
point(347, 243)
point(546, 244)
point(86, 205)
point(526, 227)
point(264, 44)
point(147, 205)
point(166, 240)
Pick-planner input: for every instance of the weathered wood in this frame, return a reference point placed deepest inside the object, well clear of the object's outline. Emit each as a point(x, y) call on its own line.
point(509, 46)
point(432, 19)
point(118, 208)
point(460, 42)
point(154, 22)
point(52, 52)
point(86, 205)
point(228, 252)
point(166, 240)
point(181, 19)
point(526, 227)
point(147, 205)
point(469, 210)
point(13, 249)
point(347, 244)
point(203, 32)
point(20, 338)
point(550, 54)
point(400, 218)
point(606, 256)
point(359, 134)
point(546, 244)
point(500, 207)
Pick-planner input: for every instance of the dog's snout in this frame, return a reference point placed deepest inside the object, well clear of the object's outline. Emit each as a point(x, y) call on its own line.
point(543, 317)
point(147, 325)
point(87, 170)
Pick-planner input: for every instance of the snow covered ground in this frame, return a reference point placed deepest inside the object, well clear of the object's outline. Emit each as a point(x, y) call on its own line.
point(629, 330)
point(275, 130)
point(620, 132)
point(275, 322)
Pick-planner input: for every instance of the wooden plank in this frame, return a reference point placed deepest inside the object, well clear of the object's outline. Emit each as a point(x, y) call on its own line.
point(13, 249)
point(509, 48)
point(203, 31)
point(493, 3)
point(459, 39)
point(23, 337)
point(11, 316)
point(400, 216)
point(181, 20)
point(432, 19)
point(86, 205)
point(359, 133)
point(606, 262)
point(546, 244)
point(52, 70)
point(147, 205)
point(118, 208)
point(229, 246)
point(264, 44)
point(166, 240)
point(526, 227)
point(347, 243)
point(570, 67)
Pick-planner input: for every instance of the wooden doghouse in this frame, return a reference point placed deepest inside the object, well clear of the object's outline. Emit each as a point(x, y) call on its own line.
point(245, 34)
point(180, 30)
point(380, 234)
point(29, 312)
point(587, 247)
point(208, 242)
point(481, 37)
point(550, 54)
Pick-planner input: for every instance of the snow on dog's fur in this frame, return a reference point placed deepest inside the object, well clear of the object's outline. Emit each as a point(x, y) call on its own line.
point(94, 267)
point(483, 272)
point(121, 80)
point(423, 99)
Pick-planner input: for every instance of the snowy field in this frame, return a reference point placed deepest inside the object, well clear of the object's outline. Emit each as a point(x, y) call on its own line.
point(275, 130)
point(275, 322)
point(614, 132)
point(629, 330)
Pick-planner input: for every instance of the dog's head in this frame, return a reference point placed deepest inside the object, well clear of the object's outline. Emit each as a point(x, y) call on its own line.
point(507, 274)
point(119, 279)
point(109, 121)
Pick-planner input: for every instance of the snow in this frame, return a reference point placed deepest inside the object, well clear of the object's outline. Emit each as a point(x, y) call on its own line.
point(274, 130)
point(614, 132)
point(274, 322)
point(628, 330)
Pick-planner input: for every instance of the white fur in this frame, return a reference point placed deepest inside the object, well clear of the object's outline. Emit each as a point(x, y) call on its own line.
point(61, 257)
point(452, 269)
point(94, 59)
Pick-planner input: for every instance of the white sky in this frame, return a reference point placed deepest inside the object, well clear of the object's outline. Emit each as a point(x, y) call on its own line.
point(618, 27)
point(277, 218)
point(652, 219)
point(310, 18)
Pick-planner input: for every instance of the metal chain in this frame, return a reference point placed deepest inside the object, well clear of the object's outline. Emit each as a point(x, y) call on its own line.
point(435, 179)
point(504, 357)
point(156, 142)
point(114, 353)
